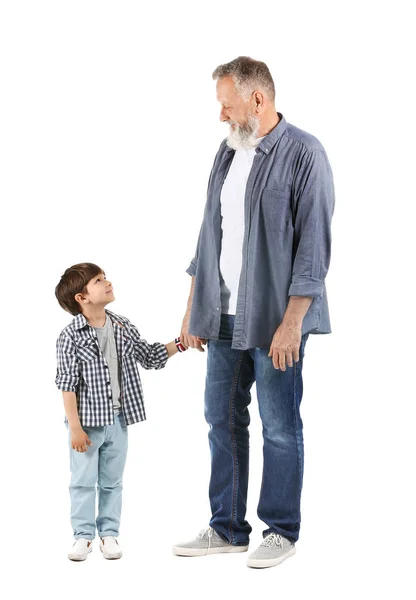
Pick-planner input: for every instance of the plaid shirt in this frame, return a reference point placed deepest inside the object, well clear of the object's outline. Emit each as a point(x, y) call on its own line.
point(83, 369)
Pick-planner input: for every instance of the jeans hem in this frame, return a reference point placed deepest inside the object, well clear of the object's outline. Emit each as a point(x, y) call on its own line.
point(228, 542)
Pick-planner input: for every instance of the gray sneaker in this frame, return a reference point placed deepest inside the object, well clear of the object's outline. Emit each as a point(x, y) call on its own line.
point(207, 542)
point(272, 551)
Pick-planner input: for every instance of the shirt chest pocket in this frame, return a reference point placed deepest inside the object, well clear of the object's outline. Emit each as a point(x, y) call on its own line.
point(128, 348)
point(276, 209)
point(87, 350)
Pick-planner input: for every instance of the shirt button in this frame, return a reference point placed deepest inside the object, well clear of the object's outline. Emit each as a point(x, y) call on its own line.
point(108, 383)
point(218, 308)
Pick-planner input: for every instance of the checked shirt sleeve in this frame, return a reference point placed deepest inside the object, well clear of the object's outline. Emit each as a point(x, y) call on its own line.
point(150, 356)
point(68, 370)
point(314, 207)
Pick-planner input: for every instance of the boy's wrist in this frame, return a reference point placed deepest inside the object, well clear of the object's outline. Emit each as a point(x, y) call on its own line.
point(179, 345)
point(77, 427)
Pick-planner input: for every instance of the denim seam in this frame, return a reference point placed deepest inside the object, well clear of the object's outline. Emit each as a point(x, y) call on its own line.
point(234, 449)
point(100, 465)
point(295, 420)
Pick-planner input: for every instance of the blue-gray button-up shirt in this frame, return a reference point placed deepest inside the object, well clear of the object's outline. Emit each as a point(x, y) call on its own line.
point(289, 203)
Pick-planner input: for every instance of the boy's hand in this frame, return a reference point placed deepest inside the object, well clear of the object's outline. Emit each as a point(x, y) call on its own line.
point(80, 440)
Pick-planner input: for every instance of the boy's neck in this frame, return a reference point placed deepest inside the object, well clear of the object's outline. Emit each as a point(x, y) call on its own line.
point(95, 317)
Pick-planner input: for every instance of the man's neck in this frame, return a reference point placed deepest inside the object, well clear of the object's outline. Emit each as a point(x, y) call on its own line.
point(268, 123)
point(95, 318)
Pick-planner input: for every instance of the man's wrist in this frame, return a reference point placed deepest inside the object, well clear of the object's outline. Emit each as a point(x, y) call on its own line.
point(292, 320)
point(296, 311)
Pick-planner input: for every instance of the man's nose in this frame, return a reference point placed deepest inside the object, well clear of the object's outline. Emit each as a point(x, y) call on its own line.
point(223, 116)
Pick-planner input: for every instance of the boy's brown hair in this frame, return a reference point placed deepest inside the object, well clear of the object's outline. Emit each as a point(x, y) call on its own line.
point(74, 281)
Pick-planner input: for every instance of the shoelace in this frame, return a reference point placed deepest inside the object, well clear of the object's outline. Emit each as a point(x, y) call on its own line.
point(207, 531)
point(273, 538)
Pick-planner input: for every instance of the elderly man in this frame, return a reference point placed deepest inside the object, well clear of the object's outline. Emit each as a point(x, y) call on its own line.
point(258, 291)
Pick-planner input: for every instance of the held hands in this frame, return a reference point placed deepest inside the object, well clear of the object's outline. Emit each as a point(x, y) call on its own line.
point(190, 341)
point(285, 346)
point(80, 440)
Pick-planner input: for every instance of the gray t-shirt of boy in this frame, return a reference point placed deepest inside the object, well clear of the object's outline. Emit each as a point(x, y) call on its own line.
point(109, 349)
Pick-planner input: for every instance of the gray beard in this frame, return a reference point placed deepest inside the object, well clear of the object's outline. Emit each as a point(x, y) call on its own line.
point(243, 137)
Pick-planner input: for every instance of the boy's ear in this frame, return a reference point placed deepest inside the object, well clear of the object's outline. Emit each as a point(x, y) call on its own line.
point(80, 298)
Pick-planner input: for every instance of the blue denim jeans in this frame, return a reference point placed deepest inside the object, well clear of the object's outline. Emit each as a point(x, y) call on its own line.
point(230, 375)
point(102, 465)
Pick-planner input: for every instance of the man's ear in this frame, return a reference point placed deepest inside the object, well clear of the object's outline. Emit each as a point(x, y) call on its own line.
point(258, 99)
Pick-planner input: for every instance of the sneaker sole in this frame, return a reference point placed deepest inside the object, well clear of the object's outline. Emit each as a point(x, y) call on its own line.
point(111, 557)
point(178, 551)
point(79, 557)
point(256, 563)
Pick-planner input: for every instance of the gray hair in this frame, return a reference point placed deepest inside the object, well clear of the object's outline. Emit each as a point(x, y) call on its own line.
point(248, 75)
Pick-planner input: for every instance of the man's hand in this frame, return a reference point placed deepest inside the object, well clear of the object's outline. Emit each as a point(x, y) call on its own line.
point(187, 340)
point(285, 346)
point(80, 440)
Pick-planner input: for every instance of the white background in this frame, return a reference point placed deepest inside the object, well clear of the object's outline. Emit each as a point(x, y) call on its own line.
point(109, 126)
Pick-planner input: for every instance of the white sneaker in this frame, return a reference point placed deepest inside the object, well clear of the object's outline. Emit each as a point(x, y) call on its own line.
point(110, 548)
point(80, 549)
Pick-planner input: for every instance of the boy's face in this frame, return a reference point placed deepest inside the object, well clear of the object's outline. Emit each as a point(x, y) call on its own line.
point(99, 292)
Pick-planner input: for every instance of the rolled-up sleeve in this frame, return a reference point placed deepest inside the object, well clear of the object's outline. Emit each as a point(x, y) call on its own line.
point(150, 356)
point(191, 270)
point(68, 367)
point(314, 201)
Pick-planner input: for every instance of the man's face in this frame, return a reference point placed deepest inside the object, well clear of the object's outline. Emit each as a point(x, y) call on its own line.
point(99, 290)
point(238, 114)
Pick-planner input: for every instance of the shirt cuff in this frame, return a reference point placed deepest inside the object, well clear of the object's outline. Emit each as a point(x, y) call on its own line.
point(66, 387)
point(162, 356)
point(66, 384)
point(306, 286)
point(191, 270)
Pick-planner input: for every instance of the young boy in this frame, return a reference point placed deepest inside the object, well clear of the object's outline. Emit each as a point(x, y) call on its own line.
point(102, 391)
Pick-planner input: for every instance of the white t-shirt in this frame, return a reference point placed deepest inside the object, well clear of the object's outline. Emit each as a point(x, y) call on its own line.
point(232, 212)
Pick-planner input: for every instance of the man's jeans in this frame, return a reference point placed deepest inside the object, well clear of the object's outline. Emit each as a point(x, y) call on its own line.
point(103, 464)
point(230, 375)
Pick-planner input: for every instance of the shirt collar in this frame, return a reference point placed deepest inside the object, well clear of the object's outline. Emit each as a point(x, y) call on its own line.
point(80, 321)
point(271, 138)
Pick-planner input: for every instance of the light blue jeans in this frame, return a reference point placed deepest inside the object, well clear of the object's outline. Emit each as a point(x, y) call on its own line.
point(101, 465)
